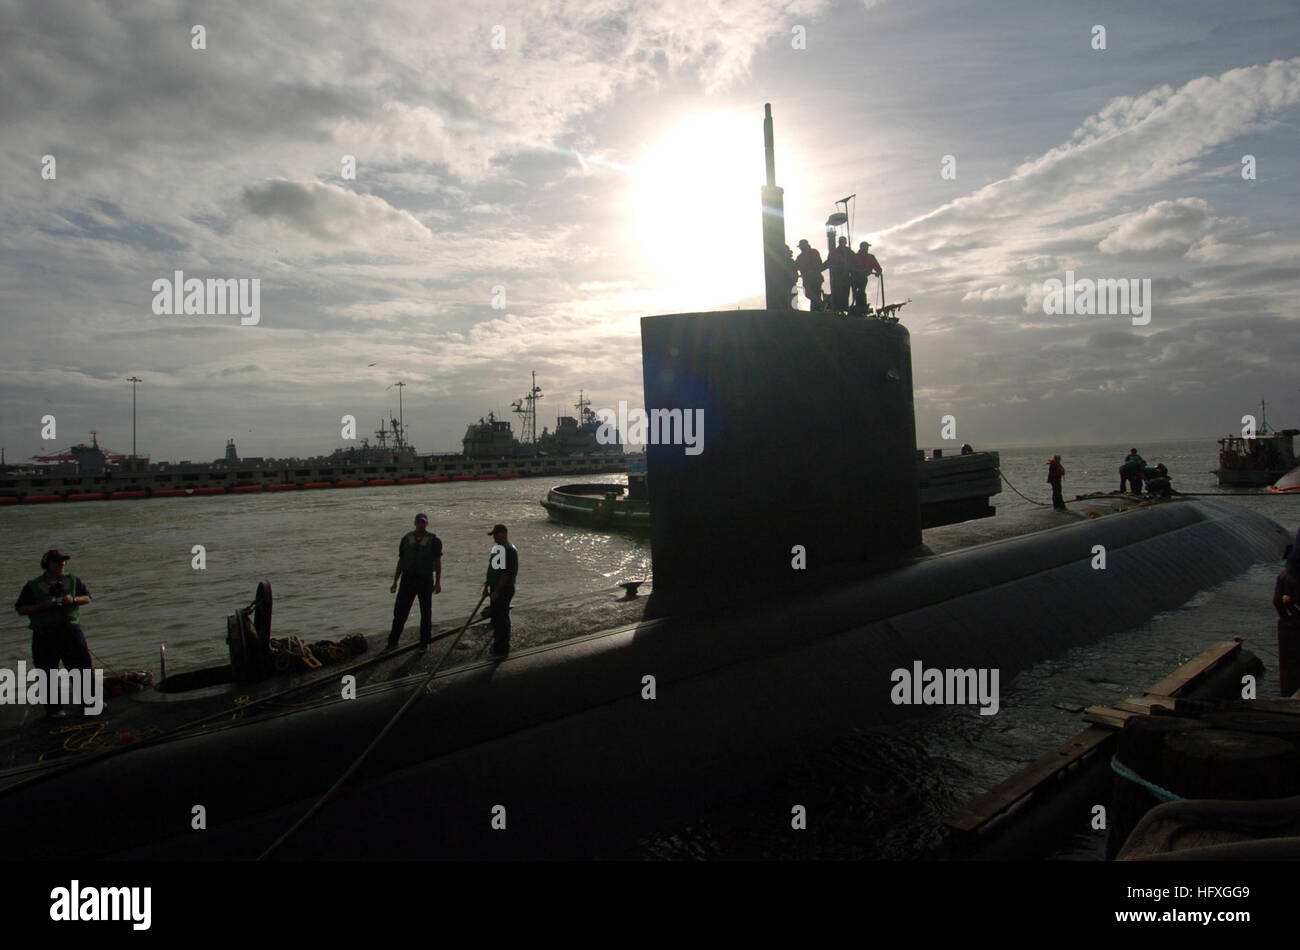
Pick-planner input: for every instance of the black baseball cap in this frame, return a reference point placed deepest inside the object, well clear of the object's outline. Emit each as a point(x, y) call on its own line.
point(422, 517)
point(53, 554)
point(496, 528)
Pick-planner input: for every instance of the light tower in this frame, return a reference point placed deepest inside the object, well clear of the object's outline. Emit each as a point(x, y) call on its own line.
point(133, 380)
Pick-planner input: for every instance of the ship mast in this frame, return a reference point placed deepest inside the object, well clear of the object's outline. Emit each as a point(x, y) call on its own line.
point(775, 254)
point(582, 406)
point(527, 408)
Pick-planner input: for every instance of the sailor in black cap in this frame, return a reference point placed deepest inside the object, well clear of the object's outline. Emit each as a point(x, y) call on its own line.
point(50, 603)
point(503, 568)
point(419, 558)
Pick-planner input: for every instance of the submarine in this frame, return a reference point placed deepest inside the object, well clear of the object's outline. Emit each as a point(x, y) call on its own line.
point(775, 624)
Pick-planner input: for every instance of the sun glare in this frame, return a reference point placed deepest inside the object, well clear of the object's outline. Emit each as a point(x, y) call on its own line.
point(695, 211)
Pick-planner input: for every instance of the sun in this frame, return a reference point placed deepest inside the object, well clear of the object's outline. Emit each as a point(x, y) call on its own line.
point(695, 211)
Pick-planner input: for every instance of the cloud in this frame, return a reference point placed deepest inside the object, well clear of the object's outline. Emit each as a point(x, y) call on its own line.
point(330, 213)
point(1166, 227)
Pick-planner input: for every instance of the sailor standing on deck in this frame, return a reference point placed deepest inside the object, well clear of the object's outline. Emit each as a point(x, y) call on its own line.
point(50, 603)
point(503, 568)
point(839, 261)
point(1130, 473)
point(1286, 601)
point(419, 556)
point(810, 266)
point(864, 265)
point(1055, 472)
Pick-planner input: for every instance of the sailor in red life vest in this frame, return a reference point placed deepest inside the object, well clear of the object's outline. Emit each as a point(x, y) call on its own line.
point(1055, 472)
point(839, 261)
point(810, 267)
point(864, 264)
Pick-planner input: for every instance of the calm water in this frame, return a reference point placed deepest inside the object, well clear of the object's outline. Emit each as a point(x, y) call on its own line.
point(330, 556)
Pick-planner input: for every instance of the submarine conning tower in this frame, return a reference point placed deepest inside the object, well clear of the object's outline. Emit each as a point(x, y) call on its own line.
point(806, 462)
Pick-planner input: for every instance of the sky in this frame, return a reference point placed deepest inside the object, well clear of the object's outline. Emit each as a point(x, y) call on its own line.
point(457, 195)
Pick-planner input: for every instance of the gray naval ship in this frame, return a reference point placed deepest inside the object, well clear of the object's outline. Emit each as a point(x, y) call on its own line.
point(789, 584)
point(491, 437)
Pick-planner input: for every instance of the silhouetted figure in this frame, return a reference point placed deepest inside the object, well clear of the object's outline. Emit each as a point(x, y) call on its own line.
point(50, 603)
point(1130, 473)
point(419, 558)
point(840, 260)
point(1286, 601)
point(966, 449)
point(864, 265)
point(503, 569)
point(810, 267)
point(1055, 472)
point(1158, 482)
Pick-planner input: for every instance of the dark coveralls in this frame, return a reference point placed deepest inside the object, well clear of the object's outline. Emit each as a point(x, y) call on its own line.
point(1130, 473)
point(1286, 601)
point(864, 265)
point(1055, 472)
point(418, 561)
point(810, 266)
point(56, 635)
point(840, 260)
point(500, 608)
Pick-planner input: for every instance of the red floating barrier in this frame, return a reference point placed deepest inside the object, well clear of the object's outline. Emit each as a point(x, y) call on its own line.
point(246, 489)
point(509, 475)
point(282, 486)
point(462, 478)
point(438, 479)
point(124, 495)
point(317, 485)
point(211, 490)
point(8, 499)
point(169, 492)
point(352, 483)
point(87, 496)
point(410, 481)
point(486, 476)
point(41, 499)
point(377, 482)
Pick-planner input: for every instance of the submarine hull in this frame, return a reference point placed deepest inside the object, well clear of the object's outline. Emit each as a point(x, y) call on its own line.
point(559, 752)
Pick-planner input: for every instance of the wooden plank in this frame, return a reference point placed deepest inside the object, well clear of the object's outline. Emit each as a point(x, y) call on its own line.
point(1183, 677)
point(1145, 704)
point(984, 808)
point(1107, 716)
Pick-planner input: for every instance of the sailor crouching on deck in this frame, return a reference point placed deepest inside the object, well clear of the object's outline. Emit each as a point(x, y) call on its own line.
point(503, 568)
point(419, 556)
point(50, 603)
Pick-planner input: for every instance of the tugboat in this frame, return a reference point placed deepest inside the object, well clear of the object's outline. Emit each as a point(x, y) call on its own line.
point(606, 506)
point(1258, 461)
